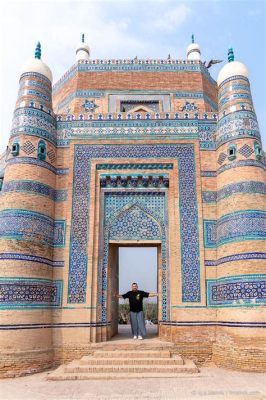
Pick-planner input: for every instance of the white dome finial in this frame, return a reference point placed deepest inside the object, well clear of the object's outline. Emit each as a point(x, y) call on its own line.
point(232, 68)
point(37, 65)
point(83, 50)
point(193, 50)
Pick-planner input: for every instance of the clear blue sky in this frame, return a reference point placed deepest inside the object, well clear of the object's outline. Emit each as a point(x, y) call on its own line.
point(126, 28)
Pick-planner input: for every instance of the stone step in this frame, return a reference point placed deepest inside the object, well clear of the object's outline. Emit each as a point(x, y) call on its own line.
point(128, 368)
point(179, 371)
point(132, 353)
point(133, 345)
point(91, 360)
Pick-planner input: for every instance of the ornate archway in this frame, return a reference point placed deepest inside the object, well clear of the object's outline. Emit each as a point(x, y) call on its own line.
point(131, 217)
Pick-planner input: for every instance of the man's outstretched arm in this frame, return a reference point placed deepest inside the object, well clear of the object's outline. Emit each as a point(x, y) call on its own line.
point(118, 296)
point(153, 294)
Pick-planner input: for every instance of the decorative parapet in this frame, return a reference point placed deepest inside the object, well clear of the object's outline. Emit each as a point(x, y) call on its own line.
point(138, 116)
point(35, 105)
point(136, 61)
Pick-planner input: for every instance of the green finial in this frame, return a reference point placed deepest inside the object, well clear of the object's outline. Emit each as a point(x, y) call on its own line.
point(83, 38)
point(231, 56)
point(38, 51)
point(192, 38)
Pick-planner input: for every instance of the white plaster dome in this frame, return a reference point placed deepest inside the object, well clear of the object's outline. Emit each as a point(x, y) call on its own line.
point(231, 69)
point(193, 50)
point(36, 65)
point(192, 47)
point(82, 50)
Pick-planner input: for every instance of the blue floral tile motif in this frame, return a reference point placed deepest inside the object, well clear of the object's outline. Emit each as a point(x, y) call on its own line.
point(236, 257)
point(242, 225)
point(235, 227)
point(31, 226)
point(135, 223)
point(34, 122)
point(59, 233)
point(188, 106)
point(89, 106)
point(209, 196)
point(33, 187)
point(237, 124)
point(29, 293)
point(210, 233)
point(237, 290)
point(31, 258)
point(234, 188)
point(242, 163)
point(184, 153)
point(38, 163)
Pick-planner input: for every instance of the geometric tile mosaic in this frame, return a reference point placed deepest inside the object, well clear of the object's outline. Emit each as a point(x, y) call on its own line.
point(236, 290)
point(221, 158)
point(235, 227)
point(31, 226)
point(242, 163)
point(253, 187)
point(135, 224)
point(242, 225)
point(31, 258)
point(33, 187)
point(236, 257)
point(38, 163)
point(246, 150)
point(79, 248)
point(51, 155)
point(25, 293)
point(28, 147)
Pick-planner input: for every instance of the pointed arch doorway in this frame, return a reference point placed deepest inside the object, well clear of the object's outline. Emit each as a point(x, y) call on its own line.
point(135, 218)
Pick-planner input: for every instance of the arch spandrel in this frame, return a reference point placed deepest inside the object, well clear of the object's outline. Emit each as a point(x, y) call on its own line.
point(134, 223)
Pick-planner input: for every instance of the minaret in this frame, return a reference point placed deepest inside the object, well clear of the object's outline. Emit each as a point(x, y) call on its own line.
point(28, 292)
point(82, 50)
point(240, 218)
point(193, 50)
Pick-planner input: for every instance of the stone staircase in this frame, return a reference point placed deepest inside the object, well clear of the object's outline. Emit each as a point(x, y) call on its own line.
point(121, 363)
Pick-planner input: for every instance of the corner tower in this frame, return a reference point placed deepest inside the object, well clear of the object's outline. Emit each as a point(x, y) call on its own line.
point(27, 226)
point(240, 225)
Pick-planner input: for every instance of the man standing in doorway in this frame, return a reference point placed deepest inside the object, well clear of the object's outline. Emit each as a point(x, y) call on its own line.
point(135, 297)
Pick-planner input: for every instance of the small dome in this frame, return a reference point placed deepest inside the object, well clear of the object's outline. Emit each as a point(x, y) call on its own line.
point(37, 65)
point(82, 50)
point(232, 68)
point(193, 51)
point(192, 47)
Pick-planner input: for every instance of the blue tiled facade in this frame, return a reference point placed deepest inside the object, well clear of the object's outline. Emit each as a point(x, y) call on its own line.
point(184, 154)
point(135, 204)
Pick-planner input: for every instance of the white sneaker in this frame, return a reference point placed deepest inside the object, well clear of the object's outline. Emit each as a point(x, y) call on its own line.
point(140, 337)
point(135, 337)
